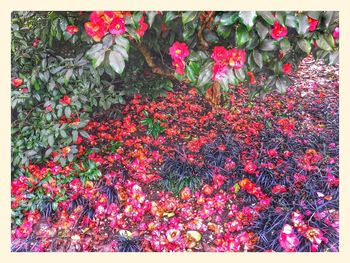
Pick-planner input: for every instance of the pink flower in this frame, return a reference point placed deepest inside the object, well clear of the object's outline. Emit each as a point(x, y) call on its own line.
point(220, 54)
point(237, 58)
point(179, 51)
point(279, 189)
point(117, 27)
point(186, 193)
point(17, 82)
point(72, 29)
point(179, 66)
point(312, 24)
point(142, 27)
point(287, 68)
point(250, 167)
point(219, 71)
point(278, 31)
point(288, 239)
point(336, 33)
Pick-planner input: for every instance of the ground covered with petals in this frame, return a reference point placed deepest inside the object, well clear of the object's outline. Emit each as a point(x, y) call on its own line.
point(176, 175)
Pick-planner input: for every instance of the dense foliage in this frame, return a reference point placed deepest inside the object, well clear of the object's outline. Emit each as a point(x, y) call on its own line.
point(163, 131)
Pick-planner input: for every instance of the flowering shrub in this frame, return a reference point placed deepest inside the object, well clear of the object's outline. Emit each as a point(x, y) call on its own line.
point(91, 172)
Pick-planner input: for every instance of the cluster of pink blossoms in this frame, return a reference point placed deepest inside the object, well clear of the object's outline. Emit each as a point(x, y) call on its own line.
point(223, 57)
point(178, 52)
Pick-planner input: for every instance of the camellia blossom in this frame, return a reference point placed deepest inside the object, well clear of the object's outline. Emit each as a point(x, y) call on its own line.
point(288, 239)
point(219, 71)
point(117, 26)
point(185, 193)
point(220, 54)
point(179, 51)
point(17, 82)
point(66, 100)
point(312, 24)
point(278, 31)
point(237, 58)
point(287, 68)
point(252, 80)
point(179, 66)
point(95, 30)
point(72, 29)
point(142, 27)
point(336, 33)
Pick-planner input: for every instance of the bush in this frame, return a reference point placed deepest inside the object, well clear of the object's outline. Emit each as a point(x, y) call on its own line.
point(68, 65)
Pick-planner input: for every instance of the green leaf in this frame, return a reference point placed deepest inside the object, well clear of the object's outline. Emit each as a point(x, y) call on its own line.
point(304, 45)
point(303, 25)
point(97, 58)
point(285, 45)
point(67, 112)
point(48, 152)
point(122, 52)
point(268, 45)
point(63, 134)
point(51, 140)
point(334, 57)
point(116, 61)
point(248, 18)
point(261, 30)
point(323, 43)
point(281, 85)
point(188, 16)
point(224, 31)
point(75, 135)
point(330, 17)
point(204, 76)
point(267, 16)
point(54, 205)
point(68, 75)
point(240, 74)
point(170, 16)
point(210, 36)
point(150, 16)
point(190, 74)
point(292, 21)
point(84, 134)
point(242, 36)
point(123, 42)
point(95, 48)
point(258, 59)
point(314, 14)
point(228, 18)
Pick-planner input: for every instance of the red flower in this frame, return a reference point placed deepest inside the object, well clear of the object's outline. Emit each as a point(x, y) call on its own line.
point(250, 167)
point(287, 68)
point(252, 78)
point(207, 189)
point(66, 100)
point(279, 189)
point(179, 66)
point(219, 71)
point(336, 33)
point(96, 30)
point(288, 239)
point(142, 27)
point(312, 24)
point(17, 82)
point(272, 153)
point(117, 27)
point(179, 51)
point(278, 31)
point(237, 58)
point(72, 29)
point(220, 54)
point(36, 42)
point(185, 193)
